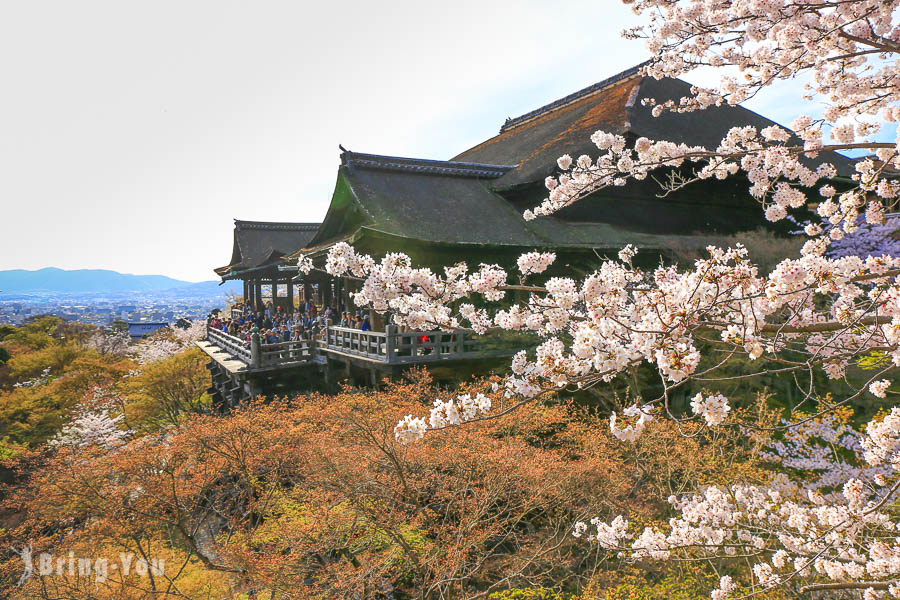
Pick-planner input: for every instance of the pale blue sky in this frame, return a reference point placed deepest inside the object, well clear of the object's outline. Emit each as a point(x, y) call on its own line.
point(132, 133)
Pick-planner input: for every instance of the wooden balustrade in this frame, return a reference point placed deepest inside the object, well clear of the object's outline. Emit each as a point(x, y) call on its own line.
point(388, 347)
point(394, 347)
point(371, 344)
point(229, 343)
point(285, 352)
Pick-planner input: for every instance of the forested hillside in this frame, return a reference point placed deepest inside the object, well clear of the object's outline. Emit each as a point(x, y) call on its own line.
point(111, 449)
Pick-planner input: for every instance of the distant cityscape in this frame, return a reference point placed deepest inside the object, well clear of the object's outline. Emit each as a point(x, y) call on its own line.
point(101, 297)
point(103, 309)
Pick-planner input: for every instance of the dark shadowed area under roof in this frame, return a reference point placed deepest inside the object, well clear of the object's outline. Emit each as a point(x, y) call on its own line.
point(535, 140)
point(260, 243)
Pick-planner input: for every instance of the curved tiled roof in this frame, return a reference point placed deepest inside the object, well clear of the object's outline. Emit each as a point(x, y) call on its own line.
point(261, 243)
point(477, 199)
point(454, 208)
point(536, 139)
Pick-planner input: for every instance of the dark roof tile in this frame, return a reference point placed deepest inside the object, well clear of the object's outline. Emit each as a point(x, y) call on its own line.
point(536, 139)
point(258, 243)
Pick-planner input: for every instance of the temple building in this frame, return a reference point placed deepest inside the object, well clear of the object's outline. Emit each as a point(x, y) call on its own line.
point(257, 254)
point(470, 208)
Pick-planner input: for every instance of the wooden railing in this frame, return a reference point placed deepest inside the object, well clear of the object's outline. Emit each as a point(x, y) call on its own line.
point(394, 347)
point(370, 344)
point(234, 346)
point(284, 353)
point(389, 347)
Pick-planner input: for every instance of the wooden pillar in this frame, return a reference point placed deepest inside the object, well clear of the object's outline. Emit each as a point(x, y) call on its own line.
point(390, 342)
point(255, 354)
point(290, 294)
point(257, 294)
point(244, 294)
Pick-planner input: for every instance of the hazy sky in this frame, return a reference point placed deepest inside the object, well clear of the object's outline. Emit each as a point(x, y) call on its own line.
point(131, 134)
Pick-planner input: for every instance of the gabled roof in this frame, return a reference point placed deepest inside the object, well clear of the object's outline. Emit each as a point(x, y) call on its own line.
point(430, 200)
point(536, 139)
point(445, 202)
point(477, 199)
point(261, 243)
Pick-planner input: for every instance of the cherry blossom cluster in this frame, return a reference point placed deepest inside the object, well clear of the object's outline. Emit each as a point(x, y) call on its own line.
point(793, 533)
point(417, 297)
point(41, 379)
point(773, 166)
point(93, 426)
point(194, 332)
point(154, 350)
point(117, 343)
point(844, 47)
point(444, 413)
point(637, 416)
point(840, 43)
point(532, 263)
point(713, 408)
point(158, 348)
point(880, 388)
point(833, 311)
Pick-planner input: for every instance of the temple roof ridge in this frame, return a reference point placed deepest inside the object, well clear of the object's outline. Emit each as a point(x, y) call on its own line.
point(423, 165)
point(566, 100)
point(275, 225)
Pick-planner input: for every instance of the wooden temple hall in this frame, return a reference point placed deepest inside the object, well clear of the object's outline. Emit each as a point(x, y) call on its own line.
point(257, 259)
point(470, 208)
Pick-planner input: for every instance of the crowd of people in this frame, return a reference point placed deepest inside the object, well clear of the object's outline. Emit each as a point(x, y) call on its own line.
point(277, 325)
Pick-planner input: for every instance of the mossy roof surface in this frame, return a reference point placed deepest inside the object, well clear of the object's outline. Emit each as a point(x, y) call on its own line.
point(451, 209)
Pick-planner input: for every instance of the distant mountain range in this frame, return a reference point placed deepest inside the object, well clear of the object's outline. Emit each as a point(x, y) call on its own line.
point(92, 281)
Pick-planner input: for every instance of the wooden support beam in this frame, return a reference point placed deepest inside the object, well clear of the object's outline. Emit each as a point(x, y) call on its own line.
point(290, 295)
